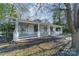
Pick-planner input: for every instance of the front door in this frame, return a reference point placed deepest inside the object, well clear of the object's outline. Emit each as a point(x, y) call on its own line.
point(35, 28)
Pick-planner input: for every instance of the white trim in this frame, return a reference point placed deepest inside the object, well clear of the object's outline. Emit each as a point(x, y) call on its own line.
point(38, 30)
point(49, 30)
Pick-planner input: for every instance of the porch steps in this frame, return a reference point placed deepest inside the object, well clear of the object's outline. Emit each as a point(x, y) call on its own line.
point(21, 39)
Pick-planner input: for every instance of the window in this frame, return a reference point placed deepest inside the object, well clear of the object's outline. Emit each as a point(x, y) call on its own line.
point(58, 29)
point(35, 28)
point(24, 27)
point(51, 29)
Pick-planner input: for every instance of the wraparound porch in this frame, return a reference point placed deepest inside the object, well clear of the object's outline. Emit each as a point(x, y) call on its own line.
point(29, 30)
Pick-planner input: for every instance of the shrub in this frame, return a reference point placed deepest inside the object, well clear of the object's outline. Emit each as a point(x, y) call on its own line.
point(65, 30)
point(7, 29)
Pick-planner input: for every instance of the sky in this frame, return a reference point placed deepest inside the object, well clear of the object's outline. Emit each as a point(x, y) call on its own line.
point(28, 10)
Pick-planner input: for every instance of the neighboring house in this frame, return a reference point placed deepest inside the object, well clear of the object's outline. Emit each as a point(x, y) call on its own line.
point(34, 29)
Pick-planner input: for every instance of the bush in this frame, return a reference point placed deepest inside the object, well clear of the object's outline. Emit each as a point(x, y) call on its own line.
point(65, 30)
point(7, 29)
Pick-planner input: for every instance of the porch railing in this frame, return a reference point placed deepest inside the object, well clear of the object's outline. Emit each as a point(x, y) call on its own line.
point(32, 34)
point(44, 33)
point(27, 34)
point(56, 33)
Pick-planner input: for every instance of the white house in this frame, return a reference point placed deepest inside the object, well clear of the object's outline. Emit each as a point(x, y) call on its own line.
point(34, 29)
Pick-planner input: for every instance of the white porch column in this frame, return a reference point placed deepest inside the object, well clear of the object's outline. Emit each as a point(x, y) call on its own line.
point(54, 29)
point(16, 33)
point(61, 30)
point(49, 32)
point(38, 30)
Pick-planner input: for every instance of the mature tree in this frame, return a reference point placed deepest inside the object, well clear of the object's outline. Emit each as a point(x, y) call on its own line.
point(21, 9)
point(57, 15)
point(69, 18)
point(73, 26)
point(7, 11)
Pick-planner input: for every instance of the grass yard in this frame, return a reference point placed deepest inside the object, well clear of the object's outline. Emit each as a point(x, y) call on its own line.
point(44, 49)
point(49, 48)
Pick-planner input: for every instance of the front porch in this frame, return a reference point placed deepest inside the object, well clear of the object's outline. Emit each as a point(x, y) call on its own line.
point(34, 30)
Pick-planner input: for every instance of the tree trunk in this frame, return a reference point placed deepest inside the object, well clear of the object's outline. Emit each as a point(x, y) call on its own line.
point(75, 11)
point(75, 40)
point(78, 18)
point(71, 26)
point(75, 35)
point(69, 18)
point(59, 14)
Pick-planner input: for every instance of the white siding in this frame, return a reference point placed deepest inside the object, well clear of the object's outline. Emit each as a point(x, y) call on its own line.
point(54, 33)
